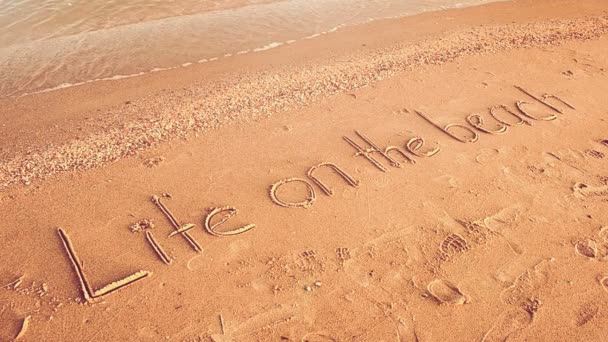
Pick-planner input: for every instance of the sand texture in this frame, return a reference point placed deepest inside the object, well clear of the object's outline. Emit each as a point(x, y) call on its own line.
point(450, 184)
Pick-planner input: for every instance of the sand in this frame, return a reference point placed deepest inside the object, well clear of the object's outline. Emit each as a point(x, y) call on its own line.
point(425, 233)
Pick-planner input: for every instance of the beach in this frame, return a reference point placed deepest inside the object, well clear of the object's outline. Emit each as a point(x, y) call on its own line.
point(439, 176)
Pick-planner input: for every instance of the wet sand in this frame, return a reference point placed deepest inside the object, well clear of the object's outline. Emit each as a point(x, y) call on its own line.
point(64, 44)
point(499, 238)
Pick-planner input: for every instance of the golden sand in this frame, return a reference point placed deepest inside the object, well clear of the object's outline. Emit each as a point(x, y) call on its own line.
point(452, 172)
point(250, 96)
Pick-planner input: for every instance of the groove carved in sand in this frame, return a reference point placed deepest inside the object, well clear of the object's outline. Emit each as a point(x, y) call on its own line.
point(446, 129)
point(367, 152)
point(555, 97)
point(87, 291)
point(349, 179)
point(376, 148)
point(477, 121)
point(311, 196)
point(264, 320)
point(506, 109)
point(543, 101)
point(402, 153)
point(183, 229)
point(164, 257)
point(169, 215)
point(15, 283)
point(232, 211)
point(415, 144)
point(521, 106)
point(24, 326)
point(603, 280)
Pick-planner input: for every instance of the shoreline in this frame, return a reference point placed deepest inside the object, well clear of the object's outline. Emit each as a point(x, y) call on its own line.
point(266, 46)
point(125, 51)
point(74, 112)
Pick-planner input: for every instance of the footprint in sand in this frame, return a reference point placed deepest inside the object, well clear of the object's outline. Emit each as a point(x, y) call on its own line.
point(449, 179)
point(586, 313)
point(311, 262)
point(595, 154)
point(506, 218)
point(585, 190)
point(528, 285)
point(453, 244)
point(510, 322)
point(342, 256)
point(593, 249)
point(586, 248)
point(445, 292)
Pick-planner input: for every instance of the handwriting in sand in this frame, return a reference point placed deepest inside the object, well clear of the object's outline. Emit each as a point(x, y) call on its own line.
point(379, 158)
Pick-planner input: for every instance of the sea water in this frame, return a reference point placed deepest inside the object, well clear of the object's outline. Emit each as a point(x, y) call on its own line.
point(52, 44)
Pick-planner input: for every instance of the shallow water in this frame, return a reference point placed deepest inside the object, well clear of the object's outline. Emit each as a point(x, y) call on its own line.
point(49, 44)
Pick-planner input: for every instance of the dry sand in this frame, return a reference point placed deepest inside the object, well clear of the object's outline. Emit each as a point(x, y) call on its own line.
point(504, 237)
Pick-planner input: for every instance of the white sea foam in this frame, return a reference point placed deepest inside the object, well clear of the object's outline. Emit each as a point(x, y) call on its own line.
point(171, 30)
point(268, 47)
point(313, 36)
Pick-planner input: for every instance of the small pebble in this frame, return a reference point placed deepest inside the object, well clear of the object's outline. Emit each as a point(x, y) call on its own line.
point(307, 288)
